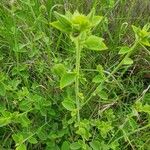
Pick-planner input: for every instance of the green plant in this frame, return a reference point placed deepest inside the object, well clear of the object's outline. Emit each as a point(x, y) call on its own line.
point(56, 94)
point(79, 27)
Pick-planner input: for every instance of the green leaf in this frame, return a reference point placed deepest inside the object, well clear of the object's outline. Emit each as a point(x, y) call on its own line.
point(21, 147)
point(142, 108)
point(32, 140)
point(60, 26)
point(68, 104)
point(146, 108)
point(24, 120)
point(42, 134)
point(142, 35)
point(96, 20)
point(98, 79)
point(95, 145)
point(127, 61)
point(25, 105)
point(101, 76)
point(135, 29)
point(63, 23)
point(67, 79)
point(104, 127)
point(114, 145)
point(145, 42)
point(18, 138)
point(95, 43)
point(103, 95)
point(91, 14)
point(100, 69)
point(2, 89)
point(59, 69)
point(4, 121)
point(2, 108)
point(75, 146)
point(68, 14)
point(146, 27)
point(147, 98)
point(85, 134)
point(62, 132)
point(65, 146)
point(63, 20)
point(14, 84)
point(124, 50)
point(80, 22)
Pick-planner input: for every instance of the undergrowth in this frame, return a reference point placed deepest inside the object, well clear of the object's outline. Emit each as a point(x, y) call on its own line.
point(74, 75)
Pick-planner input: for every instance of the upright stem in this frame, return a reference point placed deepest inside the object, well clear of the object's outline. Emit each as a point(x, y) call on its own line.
point(78, 51)
point(114, 71)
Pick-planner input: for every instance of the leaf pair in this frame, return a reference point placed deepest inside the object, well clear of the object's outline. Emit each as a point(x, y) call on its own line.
point(142, 35)
point(76, 22)
point(126, 50)
point(101, 76)
point(63, 24)
point(95, 43)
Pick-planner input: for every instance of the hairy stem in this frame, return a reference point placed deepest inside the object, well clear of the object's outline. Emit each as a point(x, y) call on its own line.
point(78, 51)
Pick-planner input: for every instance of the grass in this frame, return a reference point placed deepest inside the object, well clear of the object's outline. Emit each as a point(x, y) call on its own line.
point(32, 113)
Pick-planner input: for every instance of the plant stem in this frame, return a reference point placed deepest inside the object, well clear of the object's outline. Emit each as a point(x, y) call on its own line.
point(121, 63)
point(114, 71)
point(78, 51)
